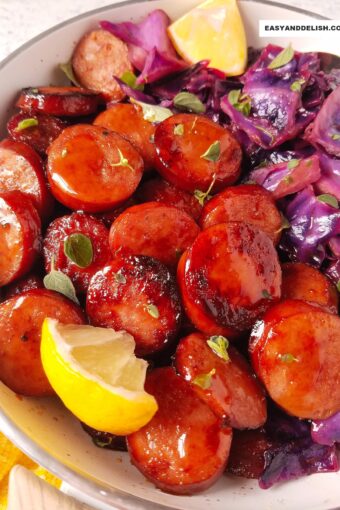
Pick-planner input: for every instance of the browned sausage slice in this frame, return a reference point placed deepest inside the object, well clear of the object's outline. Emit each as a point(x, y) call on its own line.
point(301, 281)
point(230, 276)
point(59, 101)
point(139, 295)
point(297, 359)
point(249, 203)
point(97, 58)
point(93, 169)
point(203, 154)
point(128, 121)
point(20, 235)
point(22, 169)
point(183, 449)
point(159, 190)
point(154, 229)
point(226, 384)
point(21, 318)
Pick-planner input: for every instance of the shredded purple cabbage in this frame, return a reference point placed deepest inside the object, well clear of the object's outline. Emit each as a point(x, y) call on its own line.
point(288, 177)
point(327, 432)
point(329, 181)
point(297, 458)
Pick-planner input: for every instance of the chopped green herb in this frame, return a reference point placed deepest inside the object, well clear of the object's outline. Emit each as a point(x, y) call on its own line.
point(288, 179)
point(213, 152)
point(297, 85)
point(34, 90)
point(242, 103)
point(26, 123)
point(67, 69)
point(293, 163)
point(328, 199)
point(202, 196)
point(152, 138)
point(153, 112)
point(336, 136)
point(120, 278)
point(60, 282)
point(122, 161)
point(153, 311)
point(288, 358)
point(78, 249)
point(285, 56)
point(131, 80)
point(219, 345)
point(179, 129)
point(204, 380)
point(266, 294)
point(188, 102)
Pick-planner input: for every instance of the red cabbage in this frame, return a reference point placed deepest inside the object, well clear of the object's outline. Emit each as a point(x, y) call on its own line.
point(295, 459)
point(325, 130)
point(148, 36)
point(283, 427)
point(134, 93)
point(333, 272)
point(329, 181)
point(312, 224)
point(287, 177)
point(327, 431)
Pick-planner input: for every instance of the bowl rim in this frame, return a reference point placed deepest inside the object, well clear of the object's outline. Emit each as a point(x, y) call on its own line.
point(77, 481)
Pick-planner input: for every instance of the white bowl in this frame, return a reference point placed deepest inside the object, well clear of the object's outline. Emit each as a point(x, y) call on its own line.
point(42, 428)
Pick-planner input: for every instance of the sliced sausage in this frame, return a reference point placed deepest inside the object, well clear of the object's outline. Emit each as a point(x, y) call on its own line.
point(21, 318)
point(297, 359)
point(59, 101)
point(128, 121)
point(301, 281)
point(186, 160)
point(93, 169)
point(22, 169)
point(38, 136)
point(60, 231)
point(183, 449)
point(247, 453)
point(20, 235)
point(249, 203)
point(153, 229)
point(28, 282)
point(227, 385)
point(159, 190)
point(97, 59)
point(139, 295)
point(230, 276)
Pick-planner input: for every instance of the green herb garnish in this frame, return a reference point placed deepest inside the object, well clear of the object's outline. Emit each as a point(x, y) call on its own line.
point(78, 248)
point(153, 311)
point(26, 123)
point(204, 380)
point(285, 56)
point(297, 85)
point(122, 161)
point(293, 163)
point(153, 112)
point(67, 69)
point(179, 130)
point(188, 102)
point(336, 136)
point(242, 103)
point(266, 294)
point(219, 345)
point(131, 80)
point(328, 199)
point(288, 358)
point(202, 196)
point(213, 152)
point(120, 278)
point(60, 282)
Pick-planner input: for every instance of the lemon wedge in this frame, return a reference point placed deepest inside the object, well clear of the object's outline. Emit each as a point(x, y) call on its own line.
point(213, 30)
point(96, 374)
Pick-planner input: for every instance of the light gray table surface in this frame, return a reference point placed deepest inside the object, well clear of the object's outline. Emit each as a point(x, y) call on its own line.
point(20, 20)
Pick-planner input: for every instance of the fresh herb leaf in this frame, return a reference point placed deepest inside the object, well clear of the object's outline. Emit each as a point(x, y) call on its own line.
point(202, 196)
point(297, 85)
point(288, 179)
point(204, 380)
point(266, 294)
point(179, 129)
point(78, 249)
point(219, 345)
point(328, 199)
point(122, 160)
point(213, 152)
point(242, 103)
point(153, 112)
point(67, 69)
point(152, 138)
point(60, 282)
point(26, 123)
point(336, 136)
point(288, 358)
point(285, 56)
point(189, 102)
point(293, 163)
point(153, 311)
point(120, 278)
point(131, 80)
